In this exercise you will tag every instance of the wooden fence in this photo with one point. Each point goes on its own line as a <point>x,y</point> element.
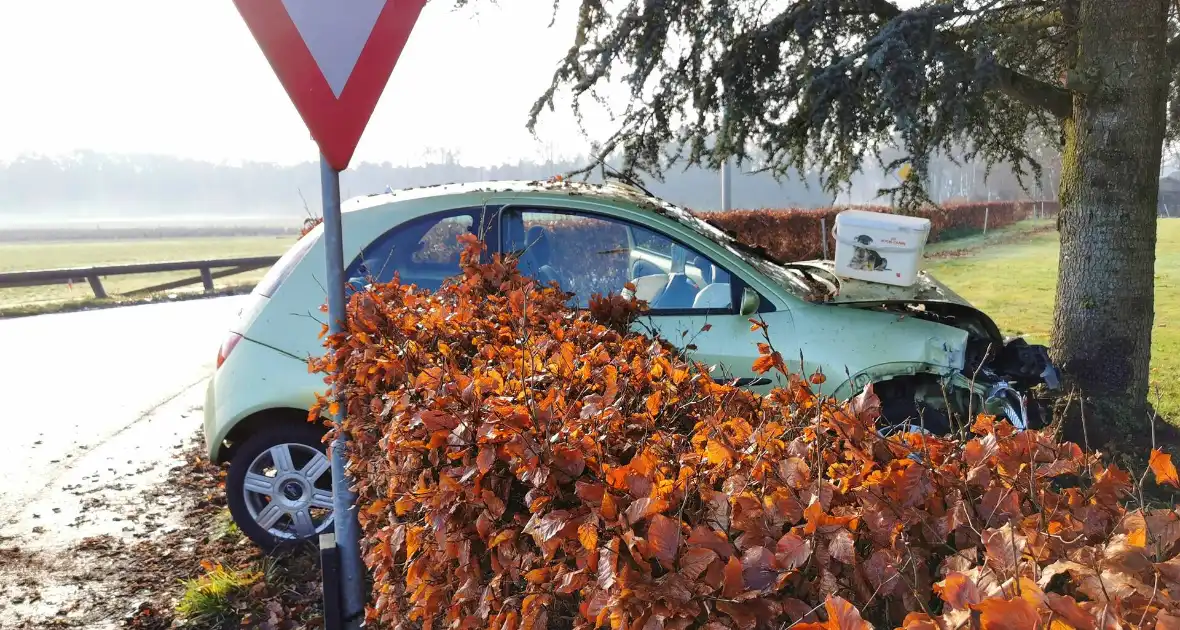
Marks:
<point>93,275</point>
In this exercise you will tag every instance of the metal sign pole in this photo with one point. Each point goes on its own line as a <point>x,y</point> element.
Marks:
<point>352,600</point>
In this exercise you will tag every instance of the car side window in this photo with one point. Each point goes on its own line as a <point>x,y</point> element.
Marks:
<point>440,244</point>
<point>588,254</point>
<point>423,252</point>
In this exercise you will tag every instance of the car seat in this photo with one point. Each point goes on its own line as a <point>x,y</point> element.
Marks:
<point>708,271</point>
<point>716,295</point>
<point>650,288</point>
<point>679,292</point>
<point>538,253</point>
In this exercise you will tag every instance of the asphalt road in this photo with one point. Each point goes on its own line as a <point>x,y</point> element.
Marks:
<point>98,397</point>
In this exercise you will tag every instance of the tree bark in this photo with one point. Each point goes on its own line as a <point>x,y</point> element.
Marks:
<point>1109,188</point>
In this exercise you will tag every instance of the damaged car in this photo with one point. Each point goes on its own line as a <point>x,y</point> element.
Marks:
<point>933,359</point>
<point>962,367</point>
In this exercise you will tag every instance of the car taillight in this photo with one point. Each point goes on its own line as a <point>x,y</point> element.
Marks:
<point>227,347</point>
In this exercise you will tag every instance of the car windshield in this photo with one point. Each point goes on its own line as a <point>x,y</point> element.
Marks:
<point>805,281</point>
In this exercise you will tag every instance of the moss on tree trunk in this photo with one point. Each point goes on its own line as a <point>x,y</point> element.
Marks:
<point>1110,184</point>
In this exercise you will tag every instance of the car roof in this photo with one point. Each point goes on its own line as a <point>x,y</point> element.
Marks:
<point>611,191</point>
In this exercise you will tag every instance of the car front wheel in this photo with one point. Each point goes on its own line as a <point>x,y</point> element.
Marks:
<point>279,486</point>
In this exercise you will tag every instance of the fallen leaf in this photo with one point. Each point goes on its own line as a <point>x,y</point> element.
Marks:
<point>643,508</point>
<point>918,621</point>
<point>1007,614</point>
<point>792,551</point>
<point>841,616</point>
<point>1162,467</point>
<point>663,534</point>
<point>733,585</point>
<point>1166,621</point>
<point>485,459</point>
<point>719,454</point>
<point>842,547</point>
<point>572,581</point>
<point>958,591</point>
<point>694,562</point>
<point>1067,608</point>
<point>588,536</point>
<point>653,404</point>
<point>610,510</point>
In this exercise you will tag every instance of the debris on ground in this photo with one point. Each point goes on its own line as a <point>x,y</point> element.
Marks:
<point>204,567</point>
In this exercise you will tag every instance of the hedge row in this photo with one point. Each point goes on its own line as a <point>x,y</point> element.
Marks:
<point>790,235</point>
<point>785,234</point>
<point>523,466</point>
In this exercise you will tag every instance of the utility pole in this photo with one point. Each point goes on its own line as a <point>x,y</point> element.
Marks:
<point>725,183</point>
<point>725,187</point>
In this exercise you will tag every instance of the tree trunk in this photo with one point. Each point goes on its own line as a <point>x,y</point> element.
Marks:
<point>1109,187</point>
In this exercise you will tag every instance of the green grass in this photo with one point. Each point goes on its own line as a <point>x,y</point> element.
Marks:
<point>208,599</point>
<point>50,255</point>
<point>998,236</point>
<point>224,527</point>
<point>1015,282</point>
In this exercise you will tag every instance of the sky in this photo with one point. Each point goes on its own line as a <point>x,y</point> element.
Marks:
<point>185,78</point>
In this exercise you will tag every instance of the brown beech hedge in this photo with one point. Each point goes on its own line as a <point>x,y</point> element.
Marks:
<point>521,465</point>
<point>786,234</point>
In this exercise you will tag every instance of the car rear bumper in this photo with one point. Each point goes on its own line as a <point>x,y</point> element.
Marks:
<point>254,379</point>
<point>209,426</point>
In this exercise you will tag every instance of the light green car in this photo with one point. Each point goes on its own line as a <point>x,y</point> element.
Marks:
<point>930,355</point>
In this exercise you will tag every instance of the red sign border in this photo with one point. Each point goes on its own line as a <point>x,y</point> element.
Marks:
<point>336,125</point>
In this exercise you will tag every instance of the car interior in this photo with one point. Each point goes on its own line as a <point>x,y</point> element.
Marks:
<point>423,252</point>
<point>679,279</point>
<point>672,282</point>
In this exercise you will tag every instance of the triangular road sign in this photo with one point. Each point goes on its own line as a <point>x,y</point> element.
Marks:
<point>334,58</point>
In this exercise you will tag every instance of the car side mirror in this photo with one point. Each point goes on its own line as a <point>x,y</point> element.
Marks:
<point>750,302</point>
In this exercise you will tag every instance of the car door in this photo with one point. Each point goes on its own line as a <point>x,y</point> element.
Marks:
<point>693,301</point>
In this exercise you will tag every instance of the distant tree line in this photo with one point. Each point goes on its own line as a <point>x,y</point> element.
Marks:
<point>96,188</point>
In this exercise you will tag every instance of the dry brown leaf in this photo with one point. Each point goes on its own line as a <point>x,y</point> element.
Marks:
<point>733,585</point>
<point>997,613</point>
<point>663,534</point>
<point>1163,469</point>
<point>958,591</point>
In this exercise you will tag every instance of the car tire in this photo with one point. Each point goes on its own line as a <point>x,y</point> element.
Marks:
<point>899,413</point>
<point>279,486</point>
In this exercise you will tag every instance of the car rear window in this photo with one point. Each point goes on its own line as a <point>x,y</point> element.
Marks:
<point>283,268</point>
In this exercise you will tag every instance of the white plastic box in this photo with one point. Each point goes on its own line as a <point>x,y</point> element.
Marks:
<point>879,247</point>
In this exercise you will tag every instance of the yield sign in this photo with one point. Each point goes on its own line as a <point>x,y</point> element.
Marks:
<point>334,58</point>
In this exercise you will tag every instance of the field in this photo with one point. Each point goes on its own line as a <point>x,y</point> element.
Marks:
<point>18,256</point>
<point>1015,281</point>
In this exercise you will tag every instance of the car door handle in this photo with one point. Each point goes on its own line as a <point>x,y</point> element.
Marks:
<point>749,382</point>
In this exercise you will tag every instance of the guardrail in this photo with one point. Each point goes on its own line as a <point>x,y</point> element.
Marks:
<point>93,275</point>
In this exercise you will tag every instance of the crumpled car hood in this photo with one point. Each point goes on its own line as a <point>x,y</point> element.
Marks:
<point>926,293</point>
<point>927,289</point>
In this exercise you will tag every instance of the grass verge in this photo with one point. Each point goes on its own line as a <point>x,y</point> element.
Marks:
<point>209,599</point>
<point>23,256</point>
<point>1013,278</point>
<point>90,304</point>
<point>969,242</point>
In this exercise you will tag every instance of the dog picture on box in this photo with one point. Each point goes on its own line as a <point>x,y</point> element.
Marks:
<point>867,259</point>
